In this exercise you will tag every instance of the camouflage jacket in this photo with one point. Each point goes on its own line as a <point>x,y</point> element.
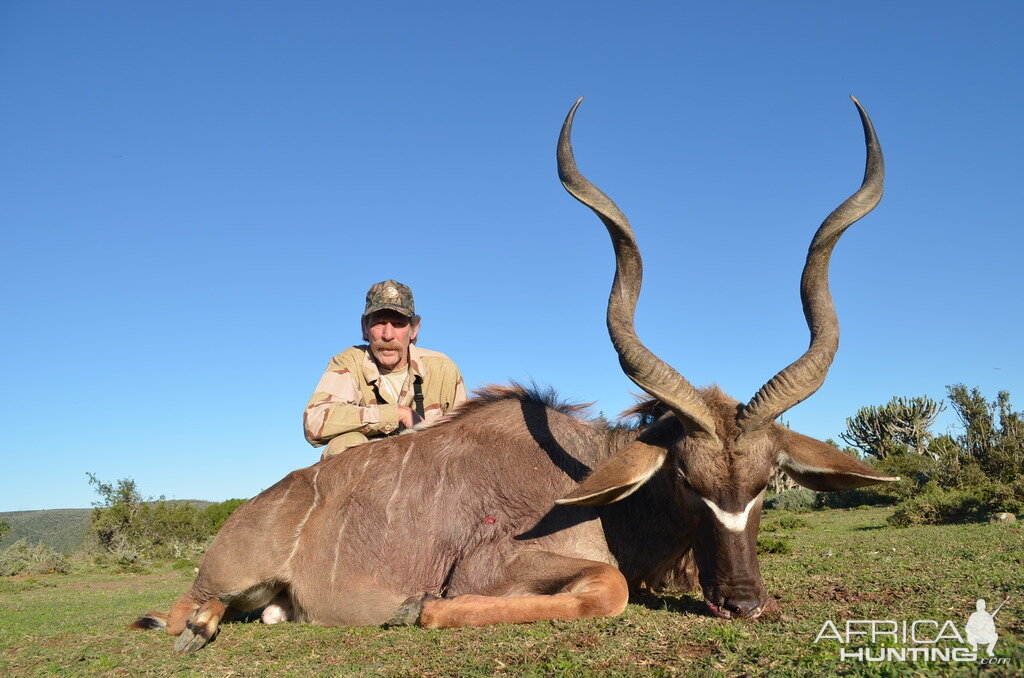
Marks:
<point>346,409</point>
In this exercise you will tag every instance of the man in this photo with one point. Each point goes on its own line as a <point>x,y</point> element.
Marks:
<point>387,386</point>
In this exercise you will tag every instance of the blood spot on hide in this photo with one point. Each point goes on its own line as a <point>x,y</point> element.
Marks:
<point>489,520</point>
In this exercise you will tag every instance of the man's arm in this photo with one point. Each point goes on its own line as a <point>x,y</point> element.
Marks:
<point>460,390</point>
<point>453,389</point>
<point>337,406</point>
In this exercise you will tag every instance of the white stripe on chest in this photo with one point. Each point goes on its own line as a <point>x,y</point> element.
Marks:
<point>734,522</point>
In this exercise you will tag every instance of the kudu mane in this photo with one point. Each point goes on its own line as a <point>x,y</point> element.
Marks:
<point>490,393</point>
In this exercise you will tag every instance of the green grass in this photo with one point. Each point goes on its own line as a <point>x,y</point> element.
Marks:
<point>843,565</point>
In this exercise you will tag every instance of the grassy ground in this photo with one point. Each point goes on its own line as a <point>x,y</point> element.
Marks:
<point>842,565</point>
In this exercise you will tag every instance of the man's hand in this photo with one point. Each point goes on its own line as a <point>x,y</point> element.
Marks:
<point>407,417</point>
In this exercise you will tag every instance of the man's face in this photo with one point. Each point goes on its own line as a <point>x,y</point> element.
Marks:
<point>390,334</point>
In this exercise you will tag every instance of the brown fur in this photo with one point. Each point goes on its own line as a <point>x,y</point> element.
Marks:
<point>465,511</point>
<point>446,510</point>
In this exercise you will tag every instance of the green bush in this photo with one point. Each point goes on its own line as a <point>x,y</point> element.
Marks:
<point>845,499</point>
<point>120,558</point>
<point>128,529</point>
<point>788,523</point>
<point>159,529</point>
<point>216,514</point>
<point>797,499</point>
<point>21,557</point>
<point>938,506</point>
<point>1008,497</point>
<point>768,544</point>
<point>914,471</point>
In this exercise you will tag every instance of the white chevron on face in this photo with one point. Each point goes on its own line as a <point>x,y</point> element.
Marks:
<point>734,522</point>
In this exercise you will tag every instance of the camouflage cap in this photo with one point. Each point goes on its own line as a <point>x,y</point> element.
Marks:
<point>390,294</point>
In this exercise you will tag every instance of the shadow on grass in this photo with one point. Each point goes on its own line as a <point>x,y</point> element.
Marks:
<point>250,617</point>
<point>681,604</point>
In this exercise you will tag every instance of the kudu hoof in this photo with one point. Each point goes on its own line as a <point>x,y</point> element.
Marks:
<point>192,639</point>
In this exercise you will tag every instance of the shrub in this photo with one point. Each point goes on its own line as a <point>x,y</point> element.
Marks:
<point>993,432</point>
<point>22,557</point>
<point>779,545</point>
<point>853,498</point>
<point>937,506</point>
<point>128,528</point>
<point>914,471</point>
<point>216,514</point>
<point>797,499</point>
<point>120,557</point>
<point>161,529</point>
<point>790,522</point>
<point>1008,497</point>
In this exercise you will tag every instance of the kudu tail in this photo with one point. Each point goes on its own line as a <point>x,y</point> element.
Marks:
<point>150,621</point>
<point>193,623</point>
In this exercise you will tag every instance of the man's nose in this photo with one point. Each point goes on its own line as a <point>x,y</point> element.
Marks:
<point>389,332</point>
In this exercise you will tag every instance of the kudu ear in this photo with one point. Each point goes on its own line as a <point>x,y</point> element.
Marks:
<point>821,467</point>
<point>619,476</point>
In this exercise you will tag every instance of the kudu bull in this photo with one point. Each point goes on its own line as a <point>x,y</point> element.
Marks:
<point>482,519</point>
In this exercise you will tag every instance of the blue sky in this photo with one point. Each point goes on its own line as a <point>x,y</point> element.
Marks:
<point>195,196</point>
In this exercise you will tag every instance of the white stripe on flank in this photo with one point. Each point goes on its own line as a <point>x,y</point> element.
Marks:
<point>346,505</point>
<point>302,523</point>
<point>398,487</point>
<point>735,522</point>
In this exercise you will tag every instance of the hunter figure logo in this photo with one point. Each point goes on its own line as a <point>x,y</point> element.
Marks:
<point>878,640</point>
<point>981,627</point>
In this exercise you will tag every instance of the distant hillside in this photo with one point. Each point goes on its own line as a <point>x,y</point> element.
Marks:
<point>62,530</point>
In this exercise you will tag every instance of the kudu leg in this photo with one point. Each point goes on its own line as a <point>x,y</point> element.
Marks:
<point>555,587</point>
<point>201,626</point>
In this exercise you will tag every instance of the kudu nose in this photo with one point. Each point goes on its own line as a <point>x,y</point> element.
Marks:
<point>742,606</point>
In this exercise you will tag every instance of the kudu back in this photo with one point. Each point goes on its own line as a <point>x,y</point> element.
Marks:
<point>516,510</point>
